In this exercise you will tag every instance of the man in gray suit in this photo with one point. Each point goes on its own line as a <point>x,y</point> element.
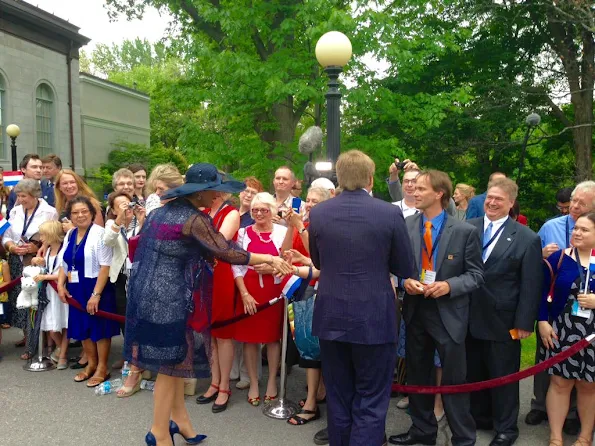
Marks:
<point>509,300</point>
<point>447,269</point>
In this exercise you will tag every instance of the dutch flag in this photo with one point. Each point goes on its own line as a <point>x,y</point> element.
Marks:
<point>12,178</point>
<point>292,284</point>
<point>4,225</point>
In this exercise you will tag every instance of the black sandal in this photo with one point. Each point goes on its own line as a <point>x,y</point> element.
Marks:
<point>302,403</point>
<point>299,421</point>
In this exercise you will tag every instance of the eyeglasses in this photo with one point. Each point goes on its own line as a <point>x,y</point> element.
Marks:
<point>563,208</point>
<point>83,213</point>
<point>409,181</point>
<point>263,211</point>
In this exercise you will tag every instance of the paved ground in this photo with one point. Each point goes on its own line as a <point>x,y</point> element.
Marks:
<point>50,409</point>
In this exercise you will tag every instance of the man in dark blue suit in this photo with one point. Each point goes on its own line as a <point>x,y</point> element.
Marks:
<point>475,207</point>
<point>31,167</point>
<point>357,241</point>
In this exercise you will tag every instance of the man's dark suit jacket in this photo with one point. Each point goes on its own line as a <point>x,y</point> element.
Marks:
<point>511,294</point>
<point>458,262</point>
<point>357,241</point>
<point>47,193</point>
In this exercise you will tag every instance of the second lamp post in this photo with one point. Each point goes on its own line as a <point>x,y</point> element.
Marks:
<point>333,51</point>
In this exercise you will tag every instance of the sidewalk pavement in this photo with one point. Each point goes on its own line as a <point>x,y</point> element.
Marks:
<point>49,408</point>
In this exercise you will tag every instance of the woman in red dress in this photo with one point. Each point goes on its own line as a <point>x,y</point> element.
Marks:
<point>226,220</point>
<point>257,285</point>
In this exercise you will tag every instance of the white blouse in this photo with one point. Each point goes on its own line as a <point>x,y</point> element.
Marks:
<point>96,253</point>
<point>278,235</point>
<point>44,213</point>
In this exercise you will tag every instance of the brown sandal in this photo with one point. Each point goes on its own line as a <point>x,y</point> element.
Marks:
<point>82,376</point>
<point>580,441</point>
<point>94,381</point>
<point>554,442</point>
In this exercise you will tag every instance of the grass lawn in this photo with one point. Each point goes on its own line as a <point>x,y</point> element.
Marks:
<point>528,352</point>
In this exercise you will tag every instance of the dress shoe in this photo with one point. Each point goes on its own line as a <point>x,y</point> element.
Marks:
<point>174,429</point>
<point>407,439</point>
<point>321,437</point>
<point>535,417</point>
<point>502,440</point>
<point>572,426</point>
<point>221,407</point>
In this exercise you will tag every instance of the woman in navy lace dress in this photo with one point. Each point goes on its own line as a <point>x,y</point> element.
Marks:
<point>174,258</point>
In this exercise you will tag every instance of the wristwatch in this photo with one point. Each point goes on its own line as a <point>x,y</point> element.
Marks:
<point>301,231</point>
<point>94,294</point>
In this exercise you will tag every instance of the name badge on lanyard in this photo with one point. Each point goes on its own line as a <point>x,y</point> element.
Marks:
<point>73,276</point>
<point>577,310</point>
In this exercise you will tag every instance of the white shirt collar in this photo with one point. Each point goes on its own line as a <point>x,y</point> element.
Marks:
<point>495,224</point>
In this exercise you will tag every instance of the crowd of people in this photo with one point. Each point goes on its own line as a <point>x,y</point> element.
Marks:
<point>438,287</point>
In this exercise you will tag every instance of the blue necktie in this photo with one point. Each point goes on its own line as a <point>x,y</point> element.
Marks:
<point>487,235</point>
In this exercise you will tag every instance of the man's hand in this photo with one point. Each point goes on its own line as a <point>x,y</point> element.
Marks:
<point>549,250</point>
<point>437,289</point>
<point>410,165</point>
<point>523,334</point>
<point>393,171</point>
<point>413,287</point>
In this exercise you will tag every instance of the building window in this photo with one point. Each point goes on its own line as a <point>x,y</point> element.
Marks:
<point>2,118</point>
<point>45,120</point>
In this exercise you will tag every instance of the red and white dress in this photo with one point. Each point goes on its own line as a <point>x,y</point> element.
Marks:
<point>266,325</point>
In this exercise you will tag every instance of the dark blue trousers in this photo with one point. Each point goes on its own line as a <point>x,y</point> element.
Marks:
<point>358,382</point>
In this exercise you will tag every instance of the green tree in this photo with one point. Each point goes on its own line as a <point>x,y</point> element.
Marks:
<point>252,64</point>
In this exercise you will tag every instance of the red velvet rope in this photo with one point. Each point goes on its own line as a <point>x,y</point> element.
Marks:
<point>498,382</point>
<point>461,388</point>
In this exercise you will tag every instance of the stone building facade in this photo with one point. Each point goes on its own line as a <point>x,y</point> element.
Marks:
<point>42,91</point>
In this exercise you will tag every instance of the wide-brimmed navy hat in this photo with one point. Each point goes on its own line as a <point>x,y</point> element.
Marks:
<point>204,176</point>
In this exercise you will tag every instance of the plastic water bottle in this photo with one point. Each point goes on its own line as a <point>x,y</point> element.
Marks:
<point>147,385</point>
<point>125,371</point>
<point>108,387</point>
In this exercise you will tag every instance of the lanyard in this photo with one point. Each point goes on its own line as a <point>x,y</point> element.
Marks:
<point>568,233</point>
<point>76,247</point>
<point>581,273</point>
<point>435,244</point>
<point>496,234</point>
<point>47,260</point>
<point>28,222</point>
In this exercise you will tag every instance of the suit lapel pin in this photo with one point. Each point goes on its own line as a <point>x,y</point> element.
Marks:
<point>450,257</point>
<point>509,239</point>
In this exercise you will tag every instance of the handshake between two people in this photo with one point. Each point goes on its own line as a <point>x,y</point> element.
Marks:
<point>283,266</point>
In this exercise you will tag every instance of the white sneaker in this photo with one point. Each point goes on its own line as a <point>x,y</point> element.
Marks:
<point>242,385</point>
<point>404,403</point>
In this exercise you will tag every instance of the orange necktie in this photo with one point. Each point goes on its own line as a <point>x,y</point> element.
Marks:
<point>426,258</point>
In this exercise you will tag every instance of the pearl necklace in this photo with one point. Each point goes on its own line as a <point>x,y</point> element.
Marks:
<point>259,236</point>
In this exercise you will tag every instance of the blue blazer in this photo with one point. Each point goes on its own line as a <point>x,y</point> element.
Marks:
<point>475,208</point>
<point>47,193</point>
<point>357,241</point>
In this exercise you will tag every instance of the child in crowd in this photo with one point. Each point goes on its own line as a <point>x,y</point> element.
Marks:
<point>55,315</point>
<point>4,305</point>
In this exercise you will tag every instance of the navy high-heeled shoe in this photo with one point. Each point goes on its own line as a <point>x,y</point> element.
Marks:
<point>175,429</point>
<point>150,439</point>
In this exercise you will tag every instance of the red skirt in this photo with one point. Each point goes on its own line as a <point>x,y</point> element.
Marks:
<point>224,300</point>
<point>267,325</point>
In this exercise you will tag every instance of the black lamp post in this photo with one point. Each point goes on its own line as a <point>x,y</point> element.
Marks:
<point>333,51</point>
<point>532,121</point>
<point>13,131</point>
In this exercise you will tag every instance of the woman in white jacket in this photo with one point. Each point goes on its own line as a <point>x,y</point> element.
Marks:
<point>119,228</point>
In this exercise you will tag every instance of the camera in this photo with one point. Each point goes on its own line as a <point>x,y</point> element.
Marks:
<point>132,204</point>
<point>400,165</point>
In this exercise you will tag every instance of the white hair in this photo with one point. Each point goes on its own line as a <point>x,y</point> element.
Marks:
<point>267,199</point>
<point>585,186</point>
<point>323,183</point>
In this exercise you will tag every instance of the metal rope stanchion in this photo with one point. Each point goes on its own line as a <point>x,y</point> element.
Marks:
<point>41,364</point>
<point>281,408</point>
